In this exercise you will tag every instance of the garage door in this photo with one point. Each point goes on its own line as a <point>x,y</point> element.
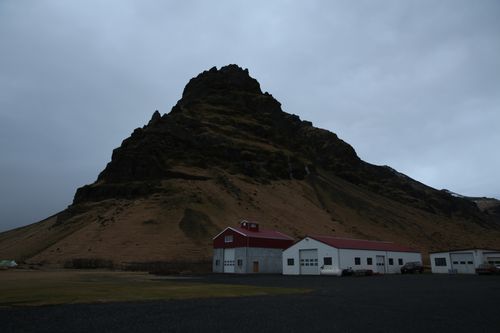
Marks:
<point>463,263</point>
<point>228,260</point>
<point>493,260</point>
<point>309,262</point>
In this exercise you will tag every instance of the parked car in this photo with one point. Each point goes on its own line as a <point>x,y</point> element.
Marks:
<point>412,267</point>
<point>487,269</point>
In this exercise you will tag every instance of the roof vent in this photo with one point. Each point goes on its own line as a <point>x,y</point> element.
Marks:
<point>249,225</point>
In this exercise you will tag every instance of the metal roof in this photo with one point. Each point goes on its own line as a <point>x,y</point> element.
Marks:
<point>362,244</point>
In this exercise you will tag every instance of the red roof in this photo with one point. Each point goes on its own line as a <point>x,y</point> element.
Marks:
<point>362,244</point>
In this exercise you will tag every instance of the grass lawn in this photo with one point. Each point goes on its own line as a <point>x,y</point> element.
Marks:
<point>31,288</point>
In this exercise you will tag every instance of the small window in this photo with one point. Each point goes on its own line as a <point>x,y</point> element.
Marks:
<point>462,263</point>
<point>400,261</point>
<point>327,261</point>
<point>440,261</point>
<point>455,263</point>
<point>217,262</point>
<point>228,239</point>
<point>391,261</point>
<point>240,262</point>
<point>357,261</point>
<point>290,262</point>
<point>369,261</point>
<point>469,262</point>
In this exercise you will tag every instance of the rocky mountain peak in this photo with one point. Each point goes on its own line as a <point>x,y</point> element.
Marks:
<point>225,124</point>
<point>230,78</point>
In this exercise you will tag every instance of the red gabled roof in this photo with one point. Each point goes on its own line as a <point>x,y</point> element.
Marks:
<point>362,244</point>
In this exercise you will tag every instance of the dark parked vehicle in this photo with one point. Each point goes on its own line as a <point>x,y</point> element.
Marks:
<point>412,267</point>
<point>347,272</point>
<point>487,269</point>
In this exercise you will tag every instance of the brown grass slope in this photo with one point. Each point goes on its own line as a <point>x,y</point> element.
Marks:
<point>227,152</point>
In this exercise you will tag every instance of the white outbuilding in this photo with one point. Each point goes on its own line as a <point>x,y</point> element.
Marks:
<point>315,255</point>
<point>462,261</point>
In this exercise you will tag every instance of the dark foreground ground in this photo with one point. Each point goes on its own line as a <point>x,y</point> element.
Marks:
<point>399,303</point>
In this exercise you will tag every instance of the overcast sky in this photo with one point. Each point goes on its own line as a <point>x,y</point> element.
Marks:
<point>410,84</point>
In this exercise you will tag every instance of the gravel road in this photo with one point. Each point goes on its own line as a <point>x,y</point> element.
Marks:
<point>398,303</point>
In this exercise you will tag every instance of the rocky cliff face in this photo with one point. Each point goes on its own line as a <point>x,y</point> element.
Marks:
<point>227,151</point>
<point>225,122</point>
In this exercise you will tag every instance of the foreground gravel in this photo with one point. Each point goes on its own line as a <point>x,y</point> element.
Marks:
<point>400,303</point>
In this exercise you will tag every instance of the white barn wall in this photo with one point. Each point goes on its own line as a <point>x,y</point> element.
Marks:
<point>270,260</point>
<point>480,256</point>
<point>440,269</point>
<point>347,259</point>
<point>343,258</point>
<point>406,256</point>
<point>308,244</point>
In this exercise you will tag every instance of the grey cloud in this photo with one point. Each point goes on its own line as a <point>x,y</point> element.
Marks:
<point>410,84</point>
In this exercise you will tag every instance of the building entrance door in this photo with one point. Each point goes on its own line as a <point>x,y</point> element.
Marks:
<point>228,260</point>
<point>380,261</point>
<point>255,266</point>
<point>463,263</point>
<point>309,262</point>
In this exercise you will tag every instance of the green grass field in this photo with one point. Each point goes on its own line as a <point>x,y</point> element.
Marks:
<point>33,288</point>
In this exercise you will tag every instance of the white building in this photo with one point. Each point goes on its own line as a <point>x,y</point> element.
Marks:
<point>316,255</point>
<point>462,261</point>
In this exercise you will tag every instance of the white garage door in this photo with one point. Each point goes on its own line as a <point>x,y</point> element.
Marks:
<point>309,262</point>
<point>493,260</point>
<point>463,263</point>
<point>228,260</point>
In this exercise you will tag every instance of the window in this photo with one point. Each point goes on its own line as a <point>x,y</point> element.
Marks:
<point>228,239</point>
<point>357,261</point>
<point>391,261</point>
<point>469,262</point>
<point>440,261</point>
<point>455,263</point>
<point>400,261</point>
<point>462,263</point>
<point>240,262</point>
<point>327,261</point>
<point>310,262</point>
<point>290,262</point>
<point>217,262</point>
<point>369,261</point>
